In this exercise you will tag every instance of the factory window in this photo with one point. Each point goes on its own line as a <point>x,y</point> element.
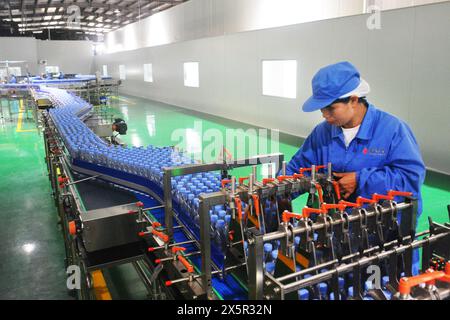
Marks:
<point>51,69</point>
<point>122,72</point>
<point>148,72</point>
<point>105,70</point>
<point>191,77</point>
<point>280,78</point>
<point>15,71</point>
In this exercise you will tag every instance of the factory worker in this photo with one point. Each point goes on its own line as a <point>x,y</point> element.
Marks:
<point>371,151</point>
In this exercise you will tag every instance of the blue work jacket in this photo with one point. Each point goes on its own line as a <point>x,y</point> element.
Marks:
<point>384,154</point>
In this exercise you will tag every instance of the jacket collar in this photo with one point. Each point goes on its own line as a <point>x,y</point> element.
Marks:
<point>365,131</point>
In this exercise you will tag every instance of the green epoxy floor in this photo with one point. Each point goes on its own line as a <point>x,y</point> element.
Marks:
<point>32,251</point>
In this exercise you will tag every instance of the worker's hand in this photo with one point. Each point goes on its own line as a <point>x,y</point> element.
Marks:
<point>347,183</point>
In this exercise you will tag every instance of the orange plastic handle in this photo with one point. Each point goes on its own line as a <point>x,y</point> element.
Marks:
<point>238,203</point>
<point>176,249</point>
<point>188,266</point>
<point>340,206</point>
<point>377,197</point>
<point>242,179</point>
<point>393,193</point>
<point>309,169</point>
<point>320,192</point>
<point>72,228</point>
<point>162,236</point>
<point>256,203</point>
<point>266,180</point>
<point>360,201</point>
<point>156,224</point>
<point>337,190</point>
<point>224,182</point>
<point>349,204</point>
<point>287,215</point>
<point>405,284</point>
<point>307,211</point>
<point>282,178</point>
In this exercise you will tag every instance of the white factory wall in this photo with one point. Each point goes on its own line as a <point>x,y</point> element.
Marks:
<point>19,49</point>
<point>405,62</point>
<point>197,19</point>
<point>70,56</point>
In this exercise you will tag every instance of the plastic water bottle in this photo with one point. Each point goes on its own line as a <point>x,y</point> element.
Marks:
<point>267,252</point>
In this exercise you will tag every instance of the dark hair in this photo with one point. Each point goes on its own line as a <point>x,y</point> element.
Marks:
<point>347,99</point>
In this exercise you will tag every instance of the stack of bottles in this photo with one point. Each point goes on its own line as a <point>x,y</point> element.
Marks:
<point>82,144</point>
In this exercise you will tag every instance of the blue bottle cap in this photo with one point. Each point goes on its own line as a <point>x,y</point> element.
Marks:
<point>227,218</point>
<point>341,282</point>
<point>270,267</point>
<point>303,294</point>
<point>297,240</point>
<point>222,214</point>
<point>274,254</point>
<point>323,288</point>
<point>385,280</point>
<point>350,291</point>
<point>245,245</point>
<point>267,247</point>
<point>214,219</point>
<point>220,224</point>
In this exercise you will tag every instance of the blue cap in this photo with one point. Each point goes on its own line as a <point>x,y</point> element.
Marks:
<point>267,247</point>
<point>385,280</point>
<point>330,83</point>
<point>220,224</point>
<point>270,267</point>
<point>303,294</point>
<point>274,254</point>
<point>222,213</point>
<point>214,219</point>
<point>323,288</point>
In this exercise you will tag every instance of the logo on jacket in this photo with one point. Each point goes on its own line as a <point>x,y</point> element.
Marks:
<point>374,151</point>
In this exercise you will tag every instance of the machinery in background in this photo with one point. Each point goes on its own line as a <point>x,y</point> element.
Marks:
<point>193,231</point>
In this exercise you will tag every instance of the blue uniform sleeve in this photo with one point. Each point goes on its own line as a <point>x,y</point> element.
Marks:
<point>403,170</point>
<point>304,157</point>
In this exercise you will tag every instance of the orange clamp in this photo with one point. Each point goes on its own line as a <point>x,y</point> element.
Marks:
<point>340,206</point>
<point>377,197</point>
<point>162,236</point>
<point>310,169</point>
<point>337,190</point>
<point>406,283</point>
<point>320,192</point>
<point>267,180</point>
<point>177,249</point>
<point>393,193</point>
<point>349,204</point>
<point>306,211</point>
<point>242,179</point>
<point>72,228</point>
<point>238,203</point>
<point>287,215</point>
<point>256,203</point>
<point>224,182</point>
<point>139,204</point>
<point>188,266</point>
<point>360,201</point>
<point>282,178</point>
<point>156,224</point>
